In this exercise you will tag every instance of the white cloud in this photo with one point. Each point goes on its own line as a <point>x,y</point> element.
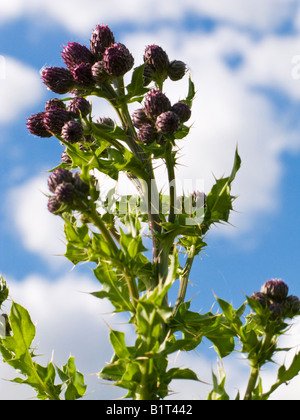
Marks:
<point>19,90</point>
<point>40,231</point>
<point>79,17</point>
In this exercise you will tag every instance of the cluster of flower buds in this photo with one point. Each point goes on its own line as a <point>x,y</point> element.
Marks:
<point>158,67</point>
<point>274,296</point>
<point>89,67</point>
<point>59,120</point>
<point>158,117</point>
<point>69,191</point>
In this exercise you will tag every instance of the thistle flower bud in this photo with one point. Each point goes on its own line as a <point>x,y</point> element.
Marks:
<point>275,289</point>
<point>167,123</point>
<point>148,74</point>
<point>276,310</point>
<point>182,110</point>
<point>261,298</point>
<point>53,205</point>
<point>59,176</point>
<point>176,70</point>
<point>72,132</point>
<point>157,58</point>
<point>74,54</point>
<point>147,134</point>
<point>139,118</point>
<point>35,124</point>
<point>106,123</point>
<point>83,75</point>
<point>55,119</point>
<point>117,60</point>
<point>81,186</point>
<point>58,79</point>
<point>54,103</point>
<point>65,193</point>
<point>102,37</point>
<point>98,72</point>
<point>156,103</point>
<point>65,158</point>
<point>291,306</point>
<point>79,106</point>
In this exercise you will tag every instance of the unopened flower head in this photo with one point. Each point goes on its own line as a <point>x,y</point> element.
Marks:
<point>58,79</point>
<point>147,134</point>
<point>117,60</point>
<point>102,37</point>
<point>182,110</point>
<point>72,132</point>
<point>157,58</point>
<point>99,73</point>
<point>55,119</point>
<point>59,176</point>
<point>79,106</point>
<point>83,75</point>
<point>36,126</point>
<point>275,289</point>
<point>167,123</point>
<point>139,118</point>
<point>74,54</point>
<point>54,103</point>
<point>176,70</point>
<point>156,103</point>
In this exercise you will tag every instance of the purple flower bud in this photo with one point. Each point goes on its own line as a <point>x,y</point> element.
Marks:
<point>65,193</point>
<point>276,310</point>
<point>74,54</point>
<point>54,103</point>
<point>59,176</point>
<point>79,105</point>
<point>275,289</point>
<point>176,70</point>
<point>156,103</point>
<point>117,60</point>
<point>35,124</point>
<point>65,158</point>
<point>157,58</point>
<point>102,37</point>
<point>182,110</point>
<point>261,298</point>
<point>147,134</point>
<point>58,79</point>
<point>139,118</point>
<point>55,119</point>
<point>53,205</point>
<point>72,132</point>
<point>148,74</point>
<point>106,123</point>
<point>83,75</point>
<point>81,187</point>
<point>291,306</point>
<point>98,72</point>
<point>167,123</point>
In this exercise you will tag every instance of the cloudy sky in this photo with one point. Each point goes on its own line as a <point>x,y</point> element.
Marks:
<point>244,58</point>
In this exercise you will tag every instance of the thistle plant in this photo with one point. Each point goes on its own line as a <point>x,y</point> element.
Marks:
<point>110,232</point>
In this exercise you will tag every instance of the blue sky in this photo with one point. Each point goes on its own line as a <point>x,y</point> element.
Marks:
<point>247,94</point>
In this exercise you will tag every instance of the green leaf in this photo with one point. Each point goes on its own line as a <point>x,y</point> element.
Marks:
<point>136,88</point>
<point>177,373</point>
<point>73,379</point>
<point>218,392</point>
<point>117,340</point>
<point>114,287</point>
<point>285,375</point>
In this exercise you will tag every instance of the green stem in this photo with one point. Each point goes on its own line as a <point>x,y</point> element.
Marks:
<point>170,164</point>
<point>252,382</point>
<point>184,278</point>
